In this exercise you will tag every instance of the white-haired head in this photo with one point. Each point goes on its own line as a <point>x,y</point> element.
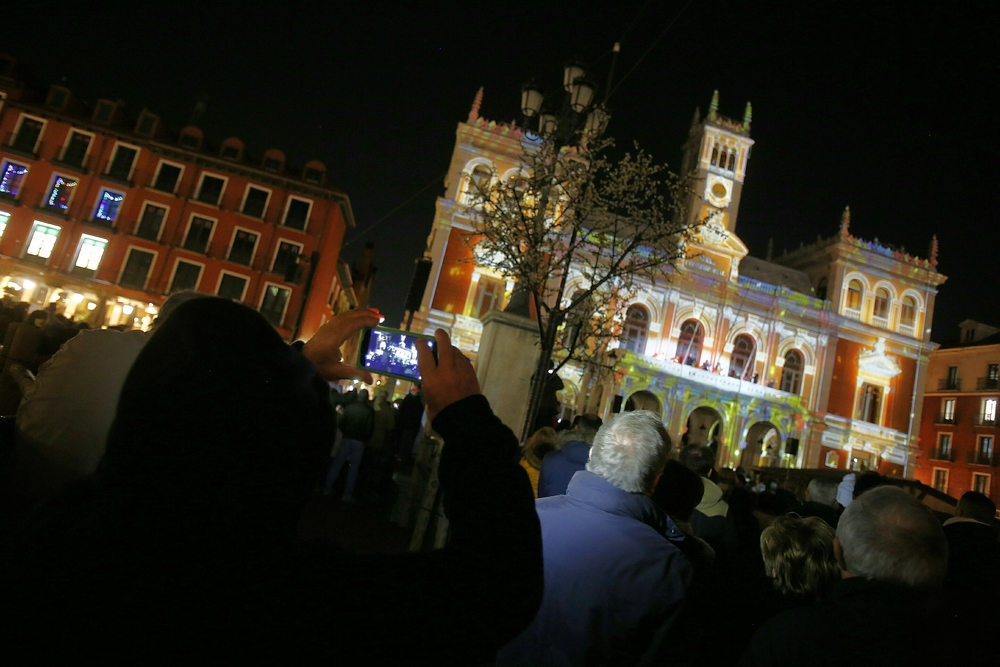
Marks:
<point>630,451</point>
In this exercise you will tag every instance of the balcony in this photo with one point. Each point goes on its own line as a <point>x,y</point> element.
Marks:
<point>943,418</point>
<point>939,454</point>
<point>987,383</point>
<point>985,420</point>
<point>23,144</point>
<point>949,384</point>
<point>73,159</point>
<point>908,330</point>
<point>880,321</point>
<point>982,459</point>
<point>853,313</point>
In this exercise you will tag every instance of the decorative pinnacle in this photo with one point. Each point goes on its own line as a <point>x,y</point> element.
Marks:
<point>845,222</point>
<point>714,106</point>
<point>747,117</point>
<point>934,250</point>
<point>697,116</point>
<point>476,104</point>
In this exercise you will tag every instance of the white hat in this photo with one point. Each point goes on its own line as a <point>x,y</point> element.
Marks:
<point>845,490</point>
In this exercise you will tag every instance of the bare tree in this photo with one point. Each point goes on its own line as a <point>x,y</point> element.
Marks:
<point>578,230</point>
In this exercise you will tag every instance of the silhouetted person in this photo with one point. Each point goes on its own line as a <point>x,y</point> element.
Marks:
<point>821,494</point>
<point>570,457</point>
<point>867,481</point>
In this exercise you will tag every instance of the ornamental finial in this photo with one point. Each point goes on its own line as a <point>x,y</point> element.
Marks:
<point>845,222</point>
<point>476,104</point>
<point>713,108</point>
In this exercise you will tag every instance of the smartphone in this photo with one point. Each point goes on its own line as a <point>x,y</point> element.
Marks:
<point>391,352</point>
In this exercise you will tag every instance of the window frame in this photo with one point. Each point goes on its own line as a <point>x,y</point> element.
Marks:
<point>883,296</point>
<point>946,413</point>
<point>31,234</point>
<point>159,168</point>
<point>142,214</point>
<point>4,222</point>
<point>796,375</point>
<point>75,268</point>
<point>288,206</point>
<point>201,183</point>
<point>27,170</point>
<point>17,131</point>
<point>861,295</point>
<point>128,255</point>
<point>47,194</point>
<point>478,293</point>
<point>934,473</point>
<point>277,247</point>
<point>186,260</point>
<point>97,205</point>
<point>246,195</point>
<point>225,272</point>
<point>211,234</point>
<point>114,153</point>
<point>288,301</point>
<point>982,475</point>
<point>988,415</point>
<point>232,242</point>
<point>882,389</point>
<point>951,440</point>
<point>66,143</point>
<point>632,332</point>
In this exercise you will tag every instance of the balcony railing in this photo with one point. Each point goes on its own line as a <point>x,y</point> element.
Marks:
<point>880,321</point>
<point>942,454</point>
<point>853,313</point>
<point>22,144</point>
<point>985,420</point>
<point>943,418</point>
<point>908,330</point>
<point>73,159</point>
<point>982,459</point>
<point>987,383</point>
<point>950,385</point>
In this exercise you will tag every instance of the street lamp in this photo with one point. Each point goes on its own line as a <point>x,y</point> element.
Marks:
<point>567,116</point>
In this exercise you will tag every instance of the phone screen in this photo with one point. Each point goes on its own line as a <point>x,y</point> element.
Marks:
<point>391,352</point>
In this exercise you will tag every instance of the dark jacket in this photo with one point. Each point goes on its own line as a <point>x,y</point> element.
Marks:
<point>615,582</point>
<point>819,510</point>
<point>973,554</point>
<point>183,546</point>
<point>411,411</point>
<point>357,421</point>
<point>900,626</point>
<point>558,468</point>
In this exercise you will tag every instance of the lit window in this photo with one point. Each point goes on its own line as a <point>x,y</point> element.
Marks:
<point>636,328</point>
<point>91,251</point>
<point>273,305</point>
<point>881,303</point>
<point>108,205</point>
<point>948,410</point>
<point>4,218</point>
<point>855,292</point>
<point>869,404</point>
<point>908,312</point>
<point>11,176</point>
<point>487,296</point>
<point>989,410</point>
<point>43,238</point>
<point>60,194</point>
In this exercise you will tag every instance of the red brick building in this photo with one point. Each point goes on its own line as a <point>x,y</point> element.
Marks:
<point>958,430</point>
<point>103,214</point>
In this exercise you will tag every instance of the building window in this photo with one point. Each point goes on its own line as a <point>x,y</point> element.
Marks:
<point>487,296</point>
<point>151,222</point>
<point>76,149</point>
<point>146,124</point>
<point>477,183</point>
<point>211,189</point>
<point>981,483</point>
<point>985,449</point>
<point>635,330</point>
<point>882,300</point>
<point>311,175</point>
<point>944,447</point>
<point>941,479</point>
<point>186,276</point>
<point>26,139</point>
<point>297,215</point>
<point>89,254</point>
<point>199,234</point>
<point>136,269</point>
<point>855,294</point>
<point>167,177</point>
<point>243,246</point>
<point>61,193</point>
<point>230,152</point>
<point>104,111</point>
<point>286,260</point>
<point>121,163</point>
<point>689,343</point>
<point>822,288</point>
<point>4,219</point>
<point>992,379</point>
<point>108,205</point>
<point>255,203</point>
<point>272,164</point>
<point>948,410</point>
<point>908,312</point>
<point>43,238</point>
<point>11,177</point>
<point>232,287</point>
<point>741,362</point>
<point>273,305</point>
<point>989,413</point>
<point>57,99</point>
<point>791,372</point>
<point>869,404</point>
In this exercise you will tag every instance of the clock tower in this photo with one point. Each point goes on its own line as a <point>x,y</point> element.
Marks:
<point>715,157</point>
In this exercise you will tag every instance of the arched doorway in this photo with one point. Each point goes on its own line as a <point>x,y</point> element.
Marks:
<point>689,342</point>
<point>644,400</point>
<point>704,427</point>
<point>763,447</point>
<point>744,357</point>
<point>636,327</point>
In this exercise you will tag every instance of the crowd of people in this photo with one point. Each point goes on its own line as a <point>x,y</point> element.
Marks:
<point>168,526</point>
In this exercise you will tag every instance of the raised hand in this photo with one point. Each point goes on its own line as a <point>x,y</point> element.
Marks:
<point>323,349</point>
<point>448,380</point>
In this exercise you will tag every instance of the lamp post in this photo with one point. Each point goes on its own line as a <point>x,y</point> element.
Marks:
<point>567,116</point>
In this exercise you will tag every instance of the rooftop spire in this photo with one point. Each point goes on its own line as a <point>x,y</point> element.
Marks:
<point>697,116</point>
<point>476,104</point>
<point>934,250</point>
<point>714,106</point>
<point>845,222</point>
<point>747,117</point>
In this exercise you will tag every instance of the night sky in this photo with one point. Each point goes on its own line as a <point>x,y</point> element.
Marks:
<point>885,110</point>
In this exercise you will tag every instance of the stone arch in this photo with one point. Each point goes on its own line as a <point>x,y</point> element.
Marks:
<point>705,425</point>
<point>761,436</point>
<point>514,171</point>
<point>467,171</point>
<point>644,400</point>
<point>800,344</point>
<point>686,313</point>
<point>889,287</point>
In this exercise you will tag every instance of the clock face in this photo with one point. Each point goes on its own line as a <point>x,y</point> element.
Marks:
<point>718,190</point>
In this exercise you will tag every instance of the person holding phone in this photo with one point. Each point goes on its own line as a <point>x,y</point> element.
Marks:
<point>183,544</point>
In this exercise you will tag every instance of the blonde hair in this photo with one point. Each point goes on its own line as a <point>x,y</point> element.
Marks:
<point>538,445</point>
<point>799,553</point>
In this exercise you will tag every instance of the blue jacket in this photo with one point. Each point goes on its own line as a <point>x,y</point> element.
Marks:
<point>558,468</point>
<point>615,581</point>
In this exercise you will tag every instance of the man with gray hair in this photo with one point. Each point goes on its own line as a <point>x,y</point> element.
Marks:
<point>615,581</point>
<point>821,494</point>
<point>893,558</point>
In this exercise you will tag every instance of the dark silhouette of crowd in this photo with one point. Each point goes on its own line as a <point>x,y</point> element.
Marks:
<point>176,537</point>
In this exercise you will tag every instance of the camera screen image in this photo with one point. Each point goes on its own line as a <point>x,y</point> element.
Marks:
<point>392,353</point>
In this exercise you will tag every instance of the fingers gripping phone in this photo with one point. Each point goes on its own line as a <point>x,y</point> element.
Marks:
<point>391,352</point>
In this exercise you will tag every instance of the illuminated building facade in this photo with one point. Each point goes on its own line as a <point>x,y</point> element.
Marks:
<point>103,214</point>
<point>958,430</point>
<point>814,359</point>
